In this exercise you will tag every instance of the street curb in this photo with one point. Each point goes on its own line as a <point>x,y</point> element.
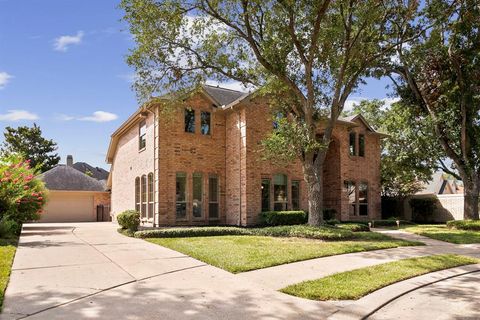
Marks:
<point>370,304</point>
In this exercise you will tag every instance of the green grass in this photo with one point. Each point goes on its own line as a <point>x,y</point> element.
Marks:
<point>442,233</point>
<point>244,253</point>
<point>352,285</point>
<point>7,252</point>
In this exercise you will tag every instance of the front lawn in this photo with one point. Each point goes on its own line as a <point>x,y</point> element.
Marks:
<point>352,285</point>
<point>7,252</point>
<point>240,253</point>
<point>442,233</point>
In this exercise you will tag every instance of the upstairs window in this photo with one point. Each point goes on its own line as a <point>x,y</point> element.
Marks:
<point>353,144</point>
<point>142,133</point>
<point>361,145</point>
<point>189,120</point>
<point>205,122</point>
<point>276,119</point>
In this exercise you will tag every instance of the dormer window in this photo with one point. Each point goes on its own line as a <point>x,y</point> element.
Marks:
<point>189,120</point>
<point>142,133</point>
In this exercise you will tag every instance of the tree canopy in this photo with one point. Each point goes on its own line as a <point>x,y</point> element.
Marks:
<point>306,56</point>
<point>30,144</point>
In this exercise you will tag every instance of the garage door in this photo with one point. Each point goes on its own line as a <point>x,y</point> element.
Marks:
<point>68,207</point>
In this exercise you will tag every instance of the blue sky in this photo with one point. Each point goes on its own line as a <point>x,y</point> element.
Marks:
<point>62,65</point>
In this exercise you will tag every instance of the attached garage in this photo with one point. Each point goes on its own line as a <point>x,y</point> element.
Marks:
<point>73,196</point>
<point>69,207</point>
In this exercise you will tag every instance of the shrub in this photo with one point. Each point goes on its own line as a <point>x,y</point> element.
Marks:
<point>390,223</point>
<point>332,222</point>
<point>9,228</point>
<point>192,232</point>
<point>301,231</point>
<point>329,214</point>
<point>279,218</point>
<point>22,196</point>
<point>129,220</point>
<point>305,231</point>
<point>354,227</point>
<point>423,209</point>
<point>473,225</point>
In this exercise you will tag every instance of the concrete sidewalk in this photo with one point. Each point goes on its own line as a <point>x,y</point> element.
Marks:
<point>89,271</point>
<point>279,277</point>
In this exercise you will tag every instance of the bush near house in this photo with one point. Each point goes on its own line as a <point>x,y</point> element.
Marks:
<point>473,225</point>
<point>22,196</point>
<point>354,227</point>
<point>129,220</point>
<point>279,218</point>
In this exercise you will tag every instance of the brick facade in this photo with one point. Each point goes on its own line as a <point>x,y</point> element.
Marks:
<point>232,153</point>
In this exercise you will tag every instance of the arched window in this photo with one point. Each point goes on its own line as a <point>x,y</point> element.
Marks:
<point>137,194</point>
<point>150,196</point>
<point>144,197</point>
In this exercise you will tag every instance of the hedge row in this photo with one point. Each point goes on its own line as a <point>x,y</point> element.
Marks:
<point>473,225</point>
<point>281,218</point>
<point>301,231</point>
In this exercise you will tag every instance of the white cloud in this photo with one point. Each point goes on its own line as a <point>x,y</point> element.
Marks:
<point>18,115</point>
<point>4,79</point>
<point>64,117</point>
<point>129,77</point>
<point>62,43</point>
<point>100,116</point>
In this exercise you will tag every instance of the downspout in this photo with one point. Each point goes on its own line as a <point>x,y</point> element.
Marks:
<point>240,167</point>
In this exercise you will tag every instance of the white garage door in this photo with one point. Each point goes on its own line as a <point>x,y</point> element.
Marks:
<point>68,207</point>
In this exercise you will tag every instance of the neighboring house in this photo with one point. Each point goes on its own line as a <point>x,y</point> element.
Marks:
<point>74,196</point>
<point>205,165</point>
<point>94,172</point>
<point>442,183</point>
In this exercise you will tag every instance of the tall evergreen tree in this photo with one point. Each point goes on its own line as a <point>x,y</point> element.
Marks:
<point>29,142</point>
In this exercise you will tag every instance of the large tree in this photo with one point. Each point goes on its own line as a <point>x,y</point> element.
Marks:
<point>30,144</point>
<point>440,74</point>
<point>307,56</point>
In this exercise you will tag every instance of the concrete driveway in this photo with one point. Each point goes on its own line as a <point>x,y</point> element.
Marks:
<point>89,271</point>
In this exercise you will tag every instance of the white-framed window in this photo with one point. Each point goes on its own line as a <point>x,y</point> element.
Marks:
<point>189,120</point>
<point>137,194</point>
<point>205,118</point>
<point>150,197</point>
<point>142,135</point>
<point>143,188</point>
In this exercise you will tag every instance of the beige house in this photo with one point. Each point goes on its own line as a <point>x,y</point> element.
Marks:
<point>74,196</point>
<point>205,165</point>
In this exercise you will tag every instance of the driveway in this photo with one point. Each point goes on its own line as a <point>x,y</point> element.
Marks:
<point>89,271</point>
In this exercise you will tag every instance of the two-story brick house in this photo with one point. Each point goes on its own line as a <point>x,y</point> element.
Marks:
<point>204,166</point>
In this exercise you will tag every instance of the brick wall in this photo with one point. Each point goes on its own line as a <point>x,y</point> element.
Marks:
<point>233,152</point>
<point>190,153</point>
<point>130,163</point>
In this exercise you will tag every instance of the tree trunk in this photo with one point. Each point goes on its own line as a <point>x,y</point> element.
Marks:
<point>313,173</point>
<point>470,204</point>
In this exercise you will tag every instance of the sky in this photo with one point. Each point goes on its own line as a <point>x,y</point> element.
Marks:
<point>62,66</point>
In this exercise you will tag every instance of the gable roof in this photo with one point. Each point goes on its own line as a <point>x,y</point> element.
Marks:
<point>96,172</point>
<point>222,96</point>
<point>67,178</point>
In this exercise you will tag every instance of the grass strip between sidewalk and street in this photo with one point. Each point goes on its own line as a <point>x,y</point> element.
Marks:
<point>355,284</point>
